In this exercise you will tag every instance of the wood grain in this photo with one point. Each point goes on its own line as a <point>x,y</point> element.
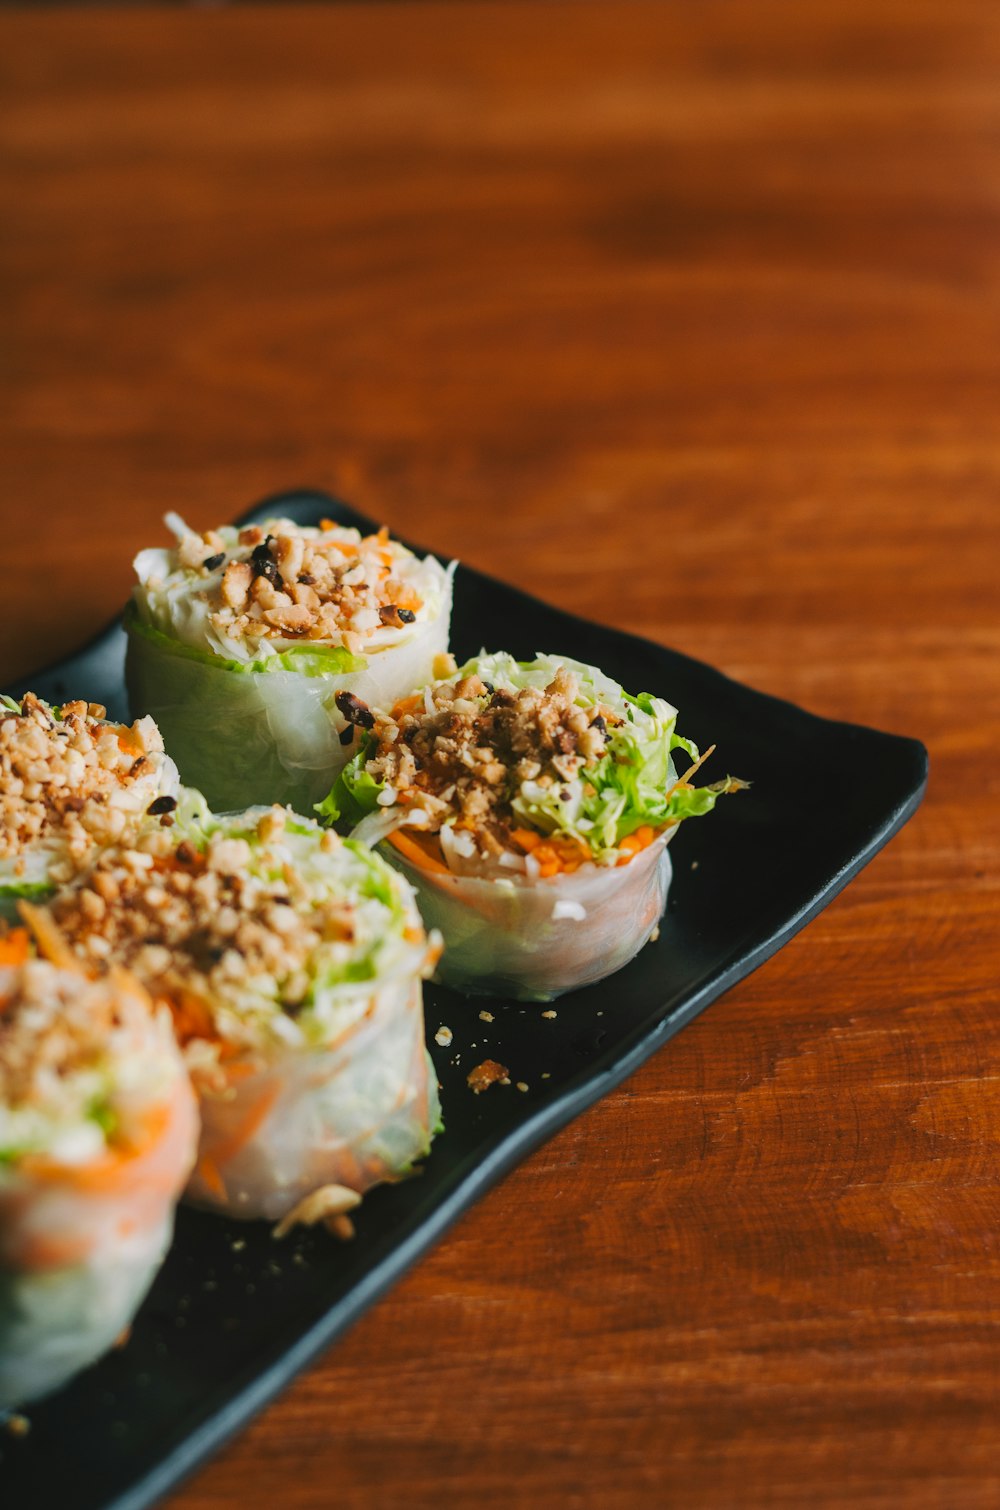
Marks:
<point>508,276</point>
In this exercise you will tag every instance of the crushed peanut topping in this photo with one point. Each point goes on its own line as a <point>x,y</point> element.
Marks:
<point>282,581</point>
<point>242,928</point>
<point>466,747</point>
<point>70,775</point>
<point>56,1028</point>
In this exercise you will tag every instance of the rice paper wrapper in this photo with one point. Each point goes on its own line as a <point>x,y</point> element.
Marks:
<point>55,1323</point>
<point>356,1112</point>
<point>535,940</point>
<point>248,737</point>
<point>78,1254</point>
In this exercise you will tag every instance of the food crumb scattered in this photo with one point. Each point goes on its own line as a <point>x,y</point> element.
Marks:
<point>522,1085</point>
<point>443,1037</point>
<point>327,1205</point>
<point>486,1016</point>
<point>17,1425</point>
<point>546,1075</point>
<point>238,1244</point>
<point>486,1074</point>
<point>694,864</point>
<point>549,1014</point>
<point>655,934</point>
<point>341,1227</point>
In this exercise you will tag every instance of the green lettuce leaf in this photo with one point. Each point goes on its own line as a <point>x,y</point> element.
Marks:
<point>306,659</point>
<point>27,891</point>
<point>354,794</point>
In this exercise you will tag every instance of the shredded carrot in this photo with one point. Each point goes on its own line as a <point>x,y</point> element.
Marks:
<point>209,1172</point>
<point>685,780</point>
<point>14,949</point>
<point>192,1017</point>
<point>41,1250</point>
<point>107,1170</point>
<point>256,1116</point>
<point>556,854</point>
<point>635,843</point>
<point>419,850</point>
<point>48,940</point>
<point>408,704</point>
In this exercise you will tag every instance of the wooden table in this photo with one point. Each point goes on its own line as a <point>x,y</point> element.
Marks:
<point>505,276</point>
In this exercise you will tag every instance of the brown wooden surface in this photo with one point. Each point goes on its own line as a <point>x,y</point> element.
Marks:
<point>505,277</point>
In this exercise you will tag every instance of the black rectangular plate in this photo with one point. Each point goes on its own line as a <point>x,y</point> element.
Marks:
<point>233,1315</point>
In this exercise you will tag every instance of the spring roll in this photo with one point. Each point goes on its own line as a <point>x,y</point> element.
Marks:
<point>254,649</point>
<point>98,1130</point>
<point>71,781</point>
<point>530,804</point>
<point>293,964</point>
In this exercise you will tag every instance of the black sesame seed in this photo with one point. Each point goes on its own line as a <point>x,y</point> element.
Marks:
<point>354,710</point>
<point>407,615</point>
<point>262,564</point>
<point>488,685</point>
<point>307,579</point>
<point>161,805</point>
<point>212,563</point>
<point>564,795</point>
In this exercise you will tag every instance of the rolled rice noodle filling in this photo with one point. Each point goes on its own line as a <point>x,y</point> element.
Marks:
<point>528,770</point>
<point>261,931</point>
<point>258,592</point>
<point>80,1061</point>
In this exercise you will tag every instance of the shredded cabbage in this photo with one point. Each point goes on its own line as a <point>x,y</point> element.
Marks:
<point>634,784</point>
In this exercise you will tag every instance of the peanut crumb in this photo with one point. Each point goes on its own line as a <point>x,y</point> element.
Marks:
<point>327,1205</point>
<point>486,1074</point>
<point>522,1085</point>
<point>443,1037</point>
<point>486,1016</point>
<point>550,1014</point>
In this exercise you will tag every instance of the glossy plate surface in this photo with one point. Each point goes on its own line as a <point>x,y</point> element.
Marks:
<point>234,1315</point>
